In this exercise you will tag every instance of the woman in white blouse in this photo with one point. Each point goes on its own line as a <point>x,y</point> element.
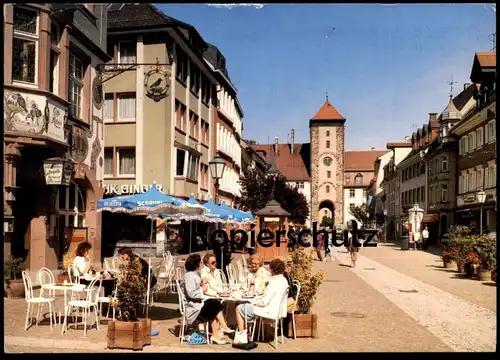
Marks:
<point>260,276</point>
<point>82,259</point>
<point>210,275</point>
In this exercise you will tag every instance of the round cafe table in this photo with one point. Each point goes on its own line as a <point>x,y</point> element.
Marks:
<point>64,288</point>
<point>236,299</point>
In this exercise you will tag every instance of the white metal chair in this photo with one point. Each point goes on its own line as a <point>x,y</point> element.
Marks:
<point>73,274</point>
<point>90,303</point>
<point>164,278</point>
<point>182,309</point>
<point>108,300</point>
<point>116,262</point>
<point>32,300</point>
<point>240,272</point>
<point>296,284</point>
<point>277,317</point>
<point>46,279</point>
<point>231,275</point>
<point>107,267</point>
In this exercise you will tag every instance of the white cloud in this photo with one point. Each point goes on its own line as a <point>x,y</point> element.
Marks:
<point>231,6</point>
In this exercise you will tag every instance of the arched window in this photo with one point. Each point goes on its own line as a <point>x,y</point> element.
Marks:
<point>358,179</point>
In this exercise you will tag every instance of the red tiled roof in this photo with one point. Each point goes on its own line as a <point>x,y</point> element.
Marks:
<point>295,167</point>
<point>487,59</point>
<point>327,112</point>
<point>361,160</point>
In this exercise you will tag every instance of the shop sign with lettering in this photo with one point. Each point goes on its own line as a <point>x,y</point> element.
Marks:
<point>128,189</point>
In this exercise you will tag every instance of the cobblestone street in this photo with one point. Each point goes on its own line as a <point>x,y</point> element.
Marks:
<point>357,311</point>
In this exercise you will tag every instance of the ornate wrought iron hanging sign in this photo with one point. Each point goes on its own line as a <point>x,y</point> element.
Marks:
<point>157,82</point>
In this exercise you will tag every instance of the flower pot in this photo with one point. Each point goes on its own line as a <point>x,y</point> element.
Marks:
<point>460,267</point>
<point>126,334</point>
<point>306,325</point>
<point>484,275</point>
<point>15,289</point>
<point>450,264</point>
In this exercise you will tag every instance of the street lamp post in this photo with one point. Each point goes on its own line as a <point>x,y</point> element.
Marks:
<point>481,198</point>
<point>385,225</point>
<point>217,166</point>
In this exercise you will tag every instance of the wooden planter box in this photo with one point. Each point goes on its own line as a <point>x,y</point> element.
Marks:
<point>147,330</point>
<point>127,335</point>
<point>306,325</point>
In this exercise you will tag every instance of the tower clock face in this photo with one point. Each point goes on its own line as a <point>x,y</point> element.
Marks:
<point>327,161</point>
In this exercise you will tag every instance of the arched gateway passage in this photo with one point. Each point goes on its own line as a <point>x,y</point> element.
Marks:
<point>327,209</point>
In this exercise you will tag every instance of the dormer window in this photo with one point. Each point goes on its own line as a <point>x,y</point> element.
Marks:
<point>358,179</point>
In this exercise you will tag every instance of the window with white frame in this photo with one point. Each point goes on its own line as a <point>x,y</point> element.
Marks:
<point>126,107</point>
<point>358,179</point>
<point>75,88</point>
<point>444,193</point>
<point>490,178</point>
<point>109,107</point>
<point>300,184</point>
<point>480,178</point>
<point>480,137</point>
<point>352,207</point>
<point>444,163</point>
<point>352,193</point>
<point>472,142</point>
<point>180,161</point>
<point>491,131</point>
<point>71,204</point>
<point>127,52</point>
<point>471,181</point>
<point>466,145</point>
<point>466,183</point>
<point>24,45</point>
<point>54,59</point>
<point>192,170</point>
<point>126,161</point>
<point>108,162</point>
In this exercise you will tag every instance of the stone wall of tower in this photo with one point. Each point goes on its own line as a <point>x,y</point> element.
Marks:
<point>339,176</point>
<point>319,179</point>
<point>314,135</point>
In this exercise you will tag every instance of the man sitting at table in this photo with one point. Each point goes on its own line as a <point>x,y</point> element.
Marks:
<point>259,276</point>
<point>269,302</point>
<point>126,254</point>
<point>210,275</point>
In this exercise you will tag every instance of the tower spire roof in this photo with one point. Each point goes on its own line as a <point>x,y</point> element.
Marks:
<point>328,112</point>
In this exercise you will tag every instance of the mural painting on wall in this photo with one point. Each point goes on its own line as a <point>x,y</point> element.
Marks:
<point>23,114</point>
<point>79,144</point>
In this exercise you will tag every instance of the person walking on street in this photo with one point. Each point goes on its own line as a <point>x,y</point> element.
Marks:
<point>329,248</point>
<point>319,245</point>
<point>425,237</point>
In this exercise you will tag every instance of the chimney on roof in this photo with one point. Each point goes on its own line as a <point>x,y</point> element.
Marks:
<point>276,144</point>
<point>433,116</point>
<point>466,85</point>
<point>292,140</point>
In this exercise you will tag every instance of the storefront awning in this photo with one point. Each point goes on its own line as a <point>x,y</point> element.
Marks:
<point>430,218</point>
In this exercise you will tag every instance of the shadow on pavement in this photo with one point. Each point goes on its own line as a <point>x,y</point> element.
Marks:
<point>161,313</point>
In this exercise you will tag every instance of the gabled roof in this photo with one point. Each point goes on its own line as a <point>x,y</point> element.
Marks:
<point>328,112</point>
<point>144,16</point>
<point>361,160</point>
<point>482,60</point>
<point>293,166</point>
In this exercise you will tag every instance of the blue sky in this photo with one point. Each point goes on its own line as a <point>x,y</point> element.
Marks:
<point>385,67</point>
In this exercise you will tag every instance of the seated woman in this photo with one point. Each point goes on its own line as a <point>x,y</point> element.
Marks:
<point>259,276</point>
<point>199,310</point>
<point>210,276</point>
<point>82,259</point>
<point>271,299</point>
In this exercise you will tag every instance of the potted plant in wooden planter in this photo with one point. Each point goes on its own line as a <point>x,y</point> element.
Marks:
<point>129,331</point>
<point>485,248</point>
<point>453,244</point>
<point>461,252</point>
<point>301,270</point>
<point>13,281</point>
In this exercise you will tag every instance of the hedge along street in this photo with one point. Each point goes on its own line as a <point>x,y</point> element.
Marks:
<point>266,237</point>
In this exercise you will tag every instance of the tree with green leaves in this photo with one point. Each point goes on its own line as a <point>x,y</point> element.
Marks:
<point>362,213</point>
<point>258,189</point>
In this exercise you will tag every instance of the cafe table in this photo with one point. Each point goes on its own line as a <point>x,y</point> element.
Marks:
<point>64,287</point>
<point>235,297</point>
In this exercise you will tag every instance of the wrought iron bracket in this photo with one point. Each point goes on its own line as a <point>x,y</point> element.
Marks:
<point>109,71</point>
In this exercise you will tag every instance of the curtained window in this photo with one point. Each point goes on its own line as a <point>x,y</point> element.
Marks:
<point>126,161</point>
<point>127,51</point>
<point>126,107</point>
